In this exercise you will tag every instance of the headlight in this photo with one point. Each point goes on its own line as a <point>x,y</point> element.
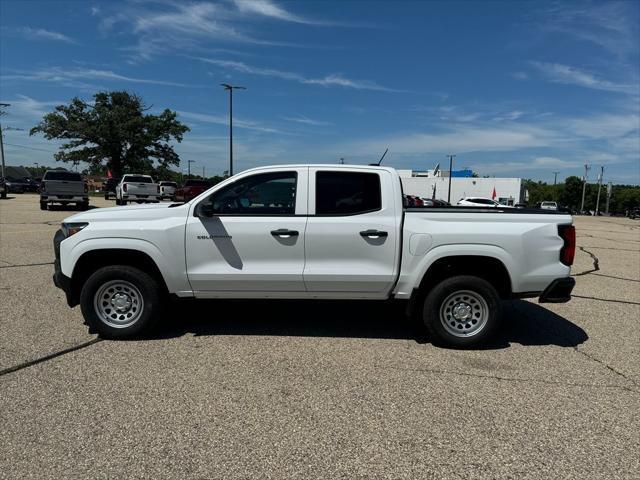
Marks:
<point>72,228</point>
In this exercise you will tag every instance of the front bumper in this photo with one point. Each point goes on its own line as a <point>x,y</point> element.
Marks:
<point>60,280</point>
<point>559,291</point>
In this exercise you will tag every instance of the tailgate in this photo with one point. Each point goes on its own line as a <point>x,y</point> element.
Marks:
<point>142,188</point>
<point>63,187</point>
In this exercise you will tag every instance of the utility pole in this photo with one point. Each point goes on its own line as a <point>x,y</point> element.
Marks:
<point>609,187</point>
<point>189,162</point>
<point>341,160</point>
<point>584,185</point>
<point>203,172</point>
<point>231,88</point>
<point>2,145</point>
<point>599,188</point>
<point>451,157</point>
<point>555,182</point>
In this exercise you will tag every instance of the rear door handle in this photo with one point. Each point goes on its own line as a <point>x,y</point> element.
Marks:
<point>373,234</point>
<point>285,233</point>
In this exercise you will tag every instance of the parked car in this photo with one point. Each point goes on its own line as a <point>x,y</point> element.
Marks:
<point>480,202</point>
<point>548,205</point>
<point>30,185</point>
<point>110,187</point>
<point>413,201</point>
<point>191,189</point>
<point>3,188</point>
<point>634,213</point>
<point>309,232</point>
<point>15,185</point>
<point>137,188</point>
<point>168,190</point>
<point>64,187</point>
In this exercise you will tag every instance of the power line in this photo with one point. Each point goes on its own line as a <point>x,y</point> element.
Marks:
<point>30,148</point>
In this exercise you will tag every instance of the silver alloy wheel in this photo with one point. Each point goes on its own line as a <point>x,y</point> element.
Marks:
<point>464,313</point>
<point>118,303</point>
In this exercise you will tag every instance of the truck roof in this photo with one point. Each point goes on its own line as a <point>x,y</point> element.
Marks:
<point>324,165</point>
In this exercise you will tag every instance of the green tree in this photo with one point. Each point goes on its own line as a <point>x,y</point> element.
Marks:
<point>114,132</point>
<point>571,193</point>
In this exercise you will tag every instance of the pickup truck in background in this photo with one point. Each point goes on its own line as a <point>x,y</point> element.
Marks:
<point>137,188</point>
<point>191,189</point>
<point>168,190</point>
<point>314,232</point>
<point>110,187</point>
<point>64,187</point>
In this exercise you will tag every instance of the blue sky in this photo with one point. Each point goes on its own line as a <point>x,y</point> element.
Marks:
<point>510,88</point>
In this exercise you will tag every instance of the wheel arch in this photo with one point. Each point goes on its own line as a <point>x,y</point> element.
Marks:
<point>93,260</point>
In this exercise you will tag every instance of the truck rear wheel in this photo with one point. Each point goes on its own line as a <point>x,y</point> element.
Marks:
<point>119,301</point>
<point>43,205</point>
<point>461,311</point>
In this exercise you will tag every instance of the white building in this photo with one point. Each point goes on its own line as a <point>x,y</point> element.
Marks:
<point>508,191</point>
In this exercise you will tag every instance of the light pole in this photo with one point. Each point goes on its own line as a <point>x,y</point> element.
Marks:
<point>1,144</point>
<point>599,188</point>
<point>189,162</point>
<point>555,181</point>
<point>231,88</point>
<point>451,157</point>
<point>584,186</point>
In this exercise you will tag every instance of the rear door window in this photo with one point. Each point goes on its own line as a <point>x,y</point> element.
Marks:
<point>347,193</point>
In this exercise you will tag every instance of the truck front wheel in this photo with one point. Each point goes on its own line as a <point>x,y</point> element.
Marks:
<point>461,311</point>
<point>119,301</point>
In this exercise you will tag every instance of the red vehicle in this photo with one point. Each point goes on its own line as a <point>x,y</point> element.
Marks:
<point>191,189</point>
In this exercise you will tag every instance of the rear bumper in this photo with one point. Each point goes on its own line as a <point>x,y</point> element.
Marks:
<point>64,198</point>
<point>559,291</point>
<point>60,280</point>
<point>142,198</point>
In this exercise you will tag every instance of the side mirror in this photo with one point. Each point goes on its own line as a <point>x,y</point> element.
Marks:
<point>205,209</point>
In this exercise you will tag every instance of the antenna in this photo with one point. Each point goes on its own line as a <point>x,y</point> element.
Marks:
<point>381,158</point>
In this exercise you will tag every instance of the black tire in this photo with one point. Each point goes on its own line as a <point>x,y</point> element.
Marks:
<point>3,194</point>
<point>84,205</point>
<point>147,287</point>
<point>43,205</point>
<point>470,307</point>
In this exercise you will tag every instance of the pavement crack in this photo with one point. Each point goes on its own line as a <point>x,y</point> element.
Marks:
<point>26,265</point>
<point>51,356</point>
<point>606,365</point>
<point>515,379</point>
<point>617,278</point>
<point>628,302</point>
<point>596,263</point>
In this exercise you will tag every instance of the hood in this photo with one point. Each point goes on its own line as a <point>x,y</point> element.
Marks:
<point>126,213</point>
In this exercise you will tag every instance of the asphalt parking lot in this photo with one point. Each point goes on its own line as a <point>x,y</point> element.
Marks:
<point>322,389</point>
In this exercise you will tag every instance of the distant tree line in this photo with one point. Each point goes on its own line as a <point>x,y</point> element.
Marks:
<point>569,194</point>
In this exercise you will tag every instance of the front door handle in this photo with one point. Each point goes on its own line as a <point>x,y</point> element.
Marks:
<point>284,233</point>
<point>373,234</point>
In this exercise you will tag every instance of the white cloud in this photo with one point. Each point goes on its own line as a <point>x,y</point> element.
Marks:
<point>269,9</point>
<point>42,34</point>
<point>613,26</point>
<point>224,120</point>
<point>326,81</point>
<point>70,76</point>
<point>307,121</point>
<point>565,74</point>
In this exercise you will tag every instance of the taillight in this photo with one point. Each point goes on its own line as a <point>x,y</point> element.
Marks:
<point>124,187</point>
<point>568,250</point>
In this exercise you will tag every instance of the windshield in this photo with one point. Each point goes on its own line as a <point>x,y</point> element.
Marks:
<point>64,176</point>
<point>137,179</point>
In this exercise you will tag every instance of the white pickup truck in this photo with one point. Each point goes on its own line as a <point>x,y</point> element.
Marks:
<point>313,232</point>
<point>137,188</point>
